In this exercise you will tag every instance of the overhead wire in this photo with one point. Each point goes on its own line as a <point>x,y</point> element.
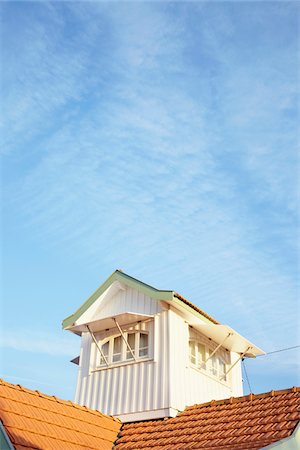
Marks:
<point>246,375</point>
<point>266,354</point>
<point>281,350</point>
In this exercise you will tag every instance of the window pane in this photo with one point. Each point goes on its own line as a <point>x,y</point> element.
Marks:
<point>222,369</point>
<point>104,348</point>
<point>201,356</point>
<point>213,364</point>
<point>192,346</point>
<point>117,349</point>
<point>143,350</point>
<point>143,340</point>
<point>131,342</point>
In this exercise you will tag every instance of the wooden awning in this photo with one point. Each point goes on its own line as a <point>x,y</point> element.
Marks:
<point>229,338</point>
<point>105,323</point>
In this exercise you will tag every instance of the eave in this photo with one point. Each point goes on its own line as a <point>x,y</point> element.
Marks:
<point>164,295</point>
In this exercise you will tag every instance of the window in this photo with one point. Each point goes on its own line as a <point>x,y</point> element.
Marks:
<point>115,349</point>
<point>197,354</point>
<point>143,345</point>
<point>222,369</point>
<point>131,342</point>
<point>105,348</point>
<point>200,353</point>
<point>193,358</point>
<point>201,356</point>
<point>212,363</point>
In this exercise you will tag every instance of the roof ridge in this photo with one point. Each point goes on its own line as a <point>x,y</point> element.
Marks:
<point>69,403</point>
<point>244,398</point>
<point>140,281</point>
<point>118,274</point>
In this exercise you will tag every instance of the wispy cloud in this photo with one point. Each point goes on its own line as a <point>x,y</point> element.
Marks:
<point>161,138</point>
<point>38,342</point>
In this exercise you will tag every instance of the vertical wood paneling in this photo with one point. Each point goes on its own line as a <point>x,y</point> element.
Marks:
<point>127,300</point>
<point>84,367</point>
<point>165,360</point>
<point>95,396</point>
<point>126,386</point>
<point>82,400</point>
<point>187,385</point>
<point>104,393</point>
<point>129,388</point>
<point>119,381</point>
<point>236,377</point>
<point>149,396</point>
<point>166,381</point>
<point>100,399</point>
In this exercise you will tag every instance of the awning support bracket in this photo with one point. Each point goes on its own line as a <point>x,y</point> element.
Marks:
<point>239,358</point>
<point>217,348</point>
<point>124,338</point>
<point>97,345</point>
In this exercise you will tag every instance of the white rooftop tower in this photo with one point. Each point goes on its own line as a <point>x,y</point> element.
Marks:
<point>147,353</point>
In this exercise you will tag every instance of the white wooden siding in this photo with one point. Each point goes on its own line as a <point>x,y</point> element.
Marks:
<point>188,385</point>
<point>127,300</point>
<point>164,381</point>
<point>130,388</point>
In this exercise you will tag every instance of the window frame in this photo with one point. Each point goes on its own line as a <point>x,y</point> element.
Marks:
<point>214,366</point>
<point>125,354</point>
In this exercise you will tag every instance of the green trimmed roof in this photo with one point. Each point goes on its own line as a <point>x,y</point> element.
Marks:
<point>151,291</point>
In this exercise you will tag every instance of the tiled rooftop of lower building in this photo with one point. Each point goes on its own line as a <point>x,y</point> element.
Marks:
<point>249,422</point>
<point>36,421</point>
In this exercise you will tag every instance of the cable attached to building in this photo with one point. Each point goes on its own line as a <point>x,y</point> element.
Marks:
<point>266,354</point>
<point>246,375</point>
<point>281,350</point>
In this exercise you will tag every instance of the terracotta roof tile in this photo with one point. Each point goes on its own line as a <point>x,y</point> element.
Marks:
<point>249,422</point>
<point>36,421</point>
<point>191,305</point>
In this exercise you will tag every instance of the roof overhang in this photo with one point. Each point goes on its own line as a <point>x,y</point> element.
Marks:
<point>106,323</point>
<point>193,315</point>
<point>229,338</point>
<point>124,279</point>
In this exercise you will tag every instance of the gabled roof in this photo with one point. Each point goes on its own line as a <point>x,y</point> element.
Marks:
<point>33,420</point>
<point>196,317</point>
<point>151,291</point>
<point>249,422</point>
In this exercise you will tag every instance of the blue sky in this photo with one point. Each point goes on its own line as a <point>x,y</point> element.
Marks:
<point>160,138</point>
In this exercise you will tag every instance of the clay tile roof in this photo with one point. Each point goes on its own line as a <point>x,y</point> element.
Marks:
<point>36,421</point>
<point>249,422</point>
<point>200,311</point>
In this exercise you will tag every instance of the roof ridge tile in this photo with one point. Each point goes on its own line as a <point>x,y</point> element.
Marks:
<point>244,398</point>
<point>196,308</point>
